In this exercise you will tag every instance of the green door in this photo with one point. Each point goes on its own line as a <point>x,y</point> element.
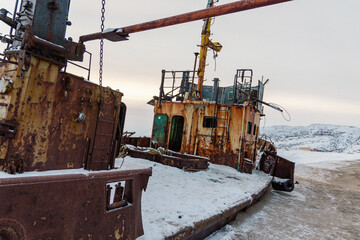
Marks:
<point>176,133</point>
<point>160,129</point>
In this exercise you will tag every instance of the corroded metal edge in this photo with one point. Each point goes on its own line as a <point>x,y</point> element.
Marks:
<point>204,228</point>
<point>73,206</point>
<point>178,160</point>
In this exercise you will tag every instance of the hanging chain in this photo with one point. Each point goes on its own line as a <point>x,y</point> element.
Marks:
<point>102,42</point>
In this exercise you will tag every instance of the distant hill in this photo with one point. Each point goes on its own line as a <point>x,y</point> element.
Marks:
<point>322,137</point>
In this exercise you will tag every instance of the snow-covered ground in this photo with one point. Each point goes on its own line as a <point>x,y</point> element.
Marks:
<point>323,137</point>
<point>176,199</point>
<point>324,205</point>
<point>301,157</point>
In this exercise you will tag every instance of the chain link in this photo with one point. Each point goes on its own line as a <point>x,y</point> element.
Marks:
<point>102,43</point>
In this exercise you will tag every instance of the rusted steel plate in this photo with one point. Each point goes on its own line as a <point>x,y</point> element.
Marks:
<point>58,116</point>
<point>102,152</point>
<point>268,162</point>
<point>73,206</point>
<point>182,161</point>
<point>136,141</point>
<point>277,166</point>
<point>284,169</point>
<point>265,145</point>
<point>247,166</point>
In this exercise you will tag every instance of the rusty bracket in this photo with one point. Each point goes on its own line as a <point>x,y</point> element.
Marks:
<point>24,60</point>
<point>7,129</point>
<point>277,166</point>
<point>174,159</point>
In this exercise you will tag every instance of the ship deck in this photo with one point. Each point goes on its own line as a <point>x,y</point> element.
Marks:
<point>190,205</point>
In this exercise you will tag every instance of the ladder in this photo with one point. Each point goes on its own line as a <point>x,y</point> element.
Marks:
<point>102,152</point>
<point>222,115</point>
<point>223,111</point>
<point>242,84</point>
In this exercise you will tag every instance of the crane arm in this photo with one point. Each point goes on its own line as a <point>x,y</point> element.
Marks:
<point>119,34</point>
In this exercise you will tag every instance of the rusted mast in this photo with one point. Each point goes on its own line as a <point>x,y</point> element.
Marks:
<point>119,34</point>
<point>203,52</point>
<point>205,44</point>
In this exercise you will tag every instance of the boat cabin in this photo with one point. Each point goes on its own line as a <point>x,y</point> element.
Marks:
<point>223,125</point>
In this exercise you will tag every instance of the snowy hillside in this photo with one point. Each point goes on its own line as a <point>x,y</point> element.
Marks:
<point>323,137</point>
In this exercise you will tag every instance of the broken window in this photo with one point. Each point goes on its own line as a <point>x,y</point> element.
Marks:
<point>176,133</point>
<point>254,132</point>
<point>249,127</point>
<point>230,95</point>
<point>118,194</point>
<point>210,122</point>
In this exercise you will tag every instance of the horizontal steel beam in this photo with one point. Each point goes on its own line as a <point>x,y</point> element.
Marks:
<point>119,34</point>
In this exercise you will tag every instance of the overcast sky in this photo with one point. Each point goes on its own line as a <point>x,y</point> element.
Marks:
<point>309,49</point>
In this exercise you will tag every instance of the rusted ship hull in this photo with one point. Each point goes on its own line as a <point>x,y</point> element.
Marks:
<point>206,227</point>
<point>72,206</point>
<point>53,120</point>
<point>58,120</point>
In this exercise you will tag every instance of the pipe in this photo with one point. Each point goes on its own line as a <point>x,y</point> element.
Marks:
<point>242,136</point>
<point>118,34</point>
<point>193,76</point>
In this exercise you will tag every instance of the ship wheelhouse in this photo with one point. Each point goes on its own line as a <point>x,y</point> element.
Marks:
<point>223,125</point>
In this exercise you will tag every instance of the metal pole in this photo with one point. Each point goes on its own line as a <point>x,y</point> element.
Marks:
<point>14,16</point>
<point>161,86</point>
<point>89,64</point>
<point>192,81</point>
<point>182,18</point>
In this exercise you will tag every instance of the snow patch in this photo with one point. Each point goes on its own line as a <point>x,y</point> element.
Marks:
<point>176,199</point>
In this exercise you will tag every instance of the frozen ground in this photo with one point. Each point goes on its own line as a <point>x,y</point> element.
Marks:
<point>176,199</point>
<point>323,137</point>
<point>324,205</point>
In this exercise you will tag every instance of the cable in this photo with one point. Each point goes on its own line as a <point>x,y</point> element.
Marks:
<point>122,162</point>
<point>264,121</point>
<point>282,113</point>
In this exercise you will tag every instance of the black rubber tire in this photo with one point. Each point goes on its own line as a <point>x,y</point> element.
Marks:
<point>286,186</point>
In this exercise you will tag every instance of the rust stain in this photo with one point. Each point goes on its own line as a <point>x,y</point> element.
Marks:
<point>46,104</point>
<point>220,144</point>
<point>117,234</point>
<point>61,214</point>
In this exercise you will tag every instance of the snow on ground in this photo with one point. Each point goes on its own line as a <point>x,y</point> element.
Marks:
<point>310,157</point>
<point>324,205</point>
<point>45,173</point>
<point>175,199</point>
<point>323,137</point>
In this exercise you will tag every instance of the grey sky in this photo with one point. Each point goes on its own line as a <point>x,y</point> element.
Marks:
<point>309,49</point>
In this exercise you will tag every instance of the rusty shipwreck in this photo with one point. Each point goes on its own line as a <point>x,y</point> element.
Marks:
<point>60,133</point>
<point>221,123</point>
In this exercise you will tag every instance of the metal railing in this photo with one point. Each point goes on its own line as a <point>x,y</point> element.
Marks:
<point>175,84</point>
<point>88,69</point>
